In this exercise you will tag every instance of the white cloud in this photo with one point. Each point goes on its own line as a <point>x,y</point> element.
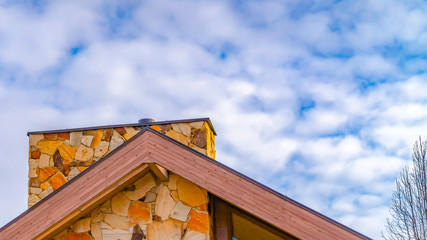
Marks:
<point>250,67</point>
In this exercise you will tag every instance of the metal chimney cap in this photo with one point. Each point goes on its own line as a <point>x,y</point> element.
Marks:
<point>145,121</point>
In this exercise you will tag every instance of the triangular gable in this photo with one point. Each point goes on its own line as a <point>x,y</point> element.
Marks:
<point>131,160</point>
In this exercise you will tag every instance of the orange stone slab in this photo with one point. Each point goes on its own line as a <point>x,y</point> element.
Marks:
<point>139,212</point>
<point>76,236</point>
<point>108,133</point>
<point>46,172</point>
<point>35,154</point>
<point>57,180</point>
<point>199,221</point>
<point>50,136</point>
<point>120,131</point>
<point>64,136</point>
<point>155,127</point>
<point>81,169</point>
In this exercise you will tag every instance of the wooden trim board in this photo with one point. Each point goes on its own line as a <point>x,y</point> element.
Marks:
<point>149,147</point>
<point>85,191</point>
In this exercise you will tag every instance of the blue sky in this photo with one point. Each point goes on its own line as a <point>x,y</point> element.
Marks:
<point>321,100</point>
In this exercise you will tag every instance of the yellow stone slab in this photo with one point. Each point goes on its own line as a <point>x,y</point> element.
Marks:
<point>97,138</point>
<point>190,194</point>
<point>67,151</point>
<point>49,147</point>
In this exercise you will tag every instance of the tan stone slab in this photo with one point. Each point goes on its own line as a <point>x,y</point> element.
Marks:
<point>84,153</point>
<point>32,168</point>
<point>33,199</point>
<point>101,149</point>
<point>73,172</point>
<point>183,128</point>
<point>180,212</point>
<point>130,129</point>
<point>46,192</point>
<point>173,178</point>
<point>150,197</point>
<point>96,215</point>
<point>169,229</point>
<point>193,235</point>
<point>106,207</point>
<point>200,150</point>
<point>174,195</point>
<point>142,186</point>
<point>116,221</point>
<point>95,231</point>
<point>116,234</point>
<point>36,191</point>
<point>103,225</point>
<point>44,160</point>
<point>34,139</point>
<point>196,124</point>
<point>87,140</point>
<point>82,226</point>
<point>75,138</point>
<point>178,137</point>
<point>45,185</point>
<point>34,182</point>
<point>116,140</point>
<point>164,202</point>
<point>130,132</point>
<point>120,204</point>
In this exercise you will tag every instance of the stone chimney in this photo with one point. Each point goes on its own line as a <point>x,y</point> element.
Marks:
<point>57,156</point>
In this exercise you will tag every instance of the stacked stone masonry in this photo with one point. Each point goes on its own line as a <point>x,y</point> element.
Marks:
<point>147,209</point>
<point>55,158</point>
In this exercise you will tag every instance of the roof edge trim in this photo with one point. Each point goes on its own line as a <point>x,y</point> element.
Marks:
<point>292,201</point>
<point>125,125</point>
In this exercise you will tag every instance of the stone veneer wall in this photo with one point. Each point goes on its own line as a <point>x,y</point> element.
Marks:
<point>147,209</point>
<point>55,158</point>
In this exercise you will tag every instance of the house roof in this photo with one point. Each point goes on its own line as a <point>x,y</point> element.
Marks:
<point>149,149</point>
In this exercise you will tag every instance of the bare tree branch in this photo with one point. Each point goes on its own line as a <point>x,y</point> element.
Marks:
<point>408,206</point>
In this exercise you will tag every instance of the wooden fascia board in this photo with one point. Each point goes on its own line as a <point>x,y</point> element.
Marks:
<point>76,198</point>
<point>244,194</point>
<point>128,162</point>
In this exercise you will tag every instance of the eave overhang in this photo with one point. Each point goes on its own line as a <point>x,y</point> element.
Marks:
<point>133,159</point>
